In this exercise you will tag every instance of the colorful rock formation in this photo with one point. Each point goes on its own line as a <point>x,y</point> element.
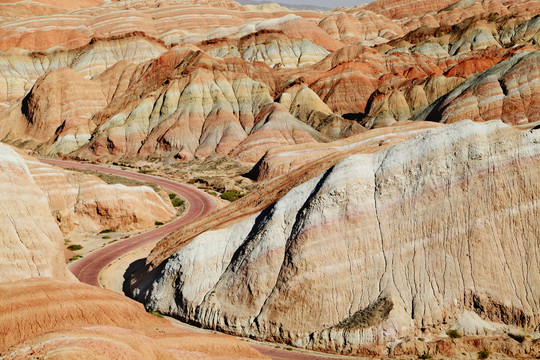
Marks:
<point>385,244</point>
<point>44,311</point>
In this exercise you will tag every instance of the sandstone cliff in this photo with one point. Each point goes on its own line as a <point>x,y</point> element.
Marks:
<point>406,241</point>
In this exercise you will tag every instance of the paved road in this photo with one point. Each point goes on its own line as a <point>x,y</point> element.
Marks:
<point>88,268</point>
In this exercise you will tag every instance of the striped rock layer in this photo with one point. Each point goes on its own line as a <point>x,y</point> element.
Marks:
<point>433,233</point>
<point>38,198</point>
<point>49,318</point>
<point>44,311</point>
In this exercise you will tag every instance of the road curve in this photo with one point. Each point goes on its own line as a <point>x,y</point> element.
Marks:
<point>88,268</point>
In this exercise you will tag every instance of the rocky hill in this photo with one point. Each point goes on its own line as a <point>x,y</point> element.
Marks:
<point>143,79</point>
<point>44,311</point>
<point>434,233</point>
<point>391,197</point>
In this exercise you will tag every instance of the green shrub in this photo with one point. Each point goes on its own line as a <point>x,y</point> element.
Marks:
<point>518,337</point>
<point>484,354</point>
<point>156,313</point>
<point>107,231</point>
<point>454,334</point>
<point>75,247</point>
<point>76,257</point>
<point>158,223</point>
<point>176,202</point>
<point>425,355</point>
<point>172,196</point>
<point>231,195</point>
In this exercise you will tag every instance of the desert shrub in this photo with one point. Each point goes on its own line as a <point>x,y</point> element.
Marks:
<point>75,247</point>
<point>454,334</point>
<point>176,202</point>
<point>425,355</point>
<point>231,195</point>
<point>107,231</point>
<point>484,354</point>
<point>106,237</point>
<point>76,257</point>
<point>156,313</point>
<point>172,196</point>
<point>158,223</point>
<point>374,314</point>
<point>66,241</point>
<point>518,337</point>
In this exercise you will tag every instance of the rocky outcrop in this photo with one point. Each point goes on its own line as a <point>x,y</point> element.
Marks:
<point>32,243</point>
<point>281,161</point>
<point>399,242</point>
<point>44,311</point>
<point>21,68</point>
<point>84,203</point>
<point>272,47</point>
<point>506,91</point>
<point>52,318</point>
<point>365,28</point>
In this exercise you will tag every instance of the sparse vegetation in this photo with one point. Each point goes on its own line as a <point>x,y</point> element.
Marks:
<point>106,237</point>
<point>176,202</point>
<point>213,193</point>
<point>107,231</point>
<point>66,241</point>
<point>113,179</point>
<point>156,313</point>
<point>158,223</point>
<point>484,354</point>
<point>146,170</point>
<point>454,334</point>
<point>232,195</point>
<point>425,355</point>
<point>373,314</point>
<point>518,337</point>
<point>421,339</point>
<point>75,247</point>
<point>76,257</point>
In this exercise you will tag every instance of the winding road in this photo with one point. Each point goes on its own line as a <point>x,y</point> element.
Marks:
<point>88,269</point>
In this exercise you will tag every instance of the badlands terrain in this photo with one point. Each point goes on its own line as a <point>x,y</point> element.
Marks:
<point>375,171</point>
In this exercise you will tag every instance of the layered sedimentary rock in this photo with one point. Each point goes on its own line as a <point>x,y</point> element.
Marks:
<point>31,241</point>
<point>85,203</point>
<point>44,311</point>
<point>507,91</point>
<point>21,68</point>
<point>405,241</point>
<point>272,47</point>
<point>386,75</point>
<point>365,28</point>
<point>281,161</point>
<point>54,319</point>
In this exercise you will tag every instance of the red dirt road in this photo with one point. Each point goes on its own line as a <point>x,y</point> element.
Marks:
<point>88,268</point>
